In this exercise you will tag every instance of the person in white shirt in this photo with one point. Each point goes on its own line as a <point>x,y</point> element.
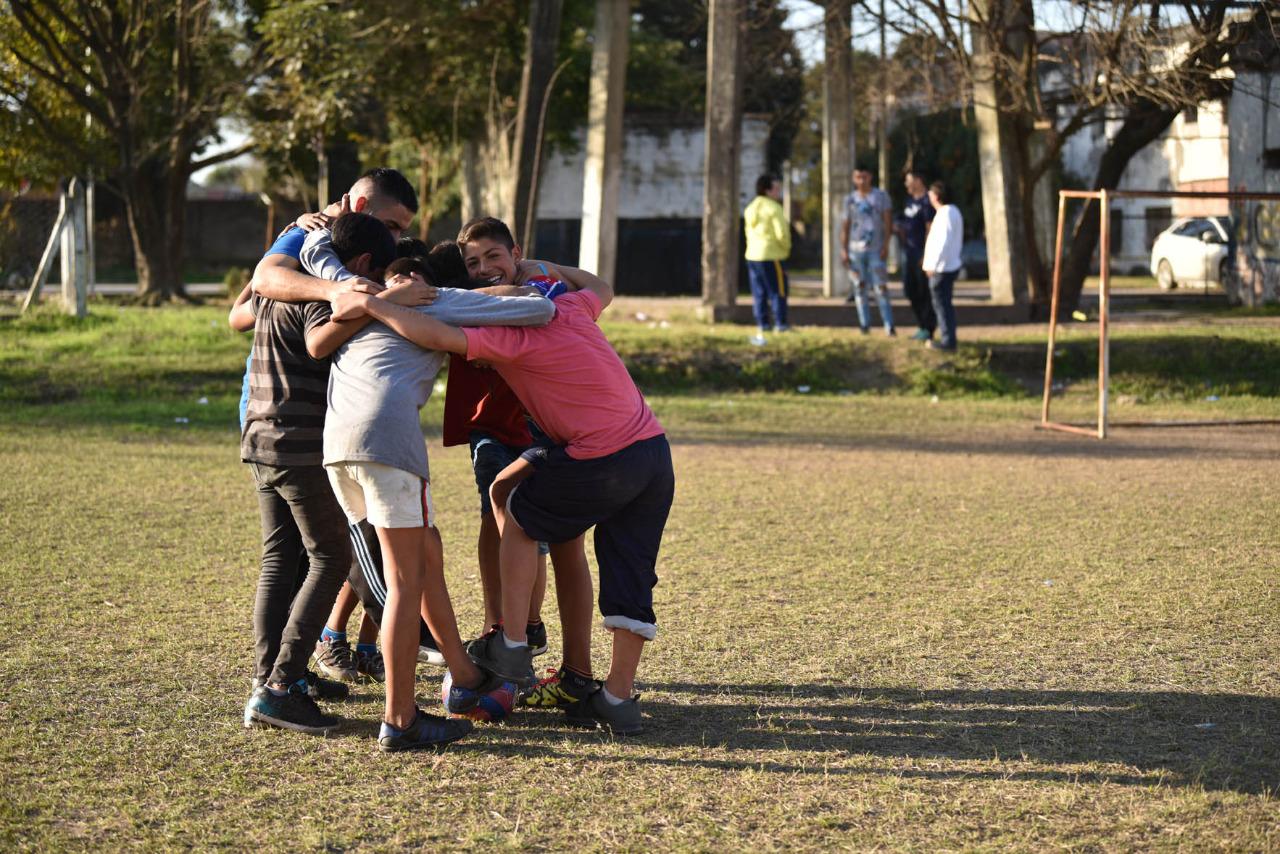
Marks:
<point>941,262</point>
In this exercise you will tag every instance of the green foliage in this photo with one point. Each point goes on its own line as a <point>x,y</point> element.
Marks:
<point>943,145</point>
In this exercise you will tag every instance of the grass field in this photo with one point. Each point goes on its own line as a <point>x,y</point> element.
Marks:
<point>888,621</point>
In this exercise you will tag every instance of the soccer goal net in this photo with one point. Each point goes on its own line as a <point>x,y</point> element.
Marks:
<point>1228,241</point>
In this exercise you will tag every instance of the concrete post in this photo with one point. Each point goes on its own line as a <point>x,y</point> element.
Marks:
<point>598,249</point>
<point>75,252</point>
<point>720,214</point>
<point>837,138</point>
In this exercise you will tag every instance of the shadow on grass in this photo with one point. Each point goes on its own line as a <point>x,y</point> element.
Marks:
<point>1226,442</point>
<point>1218,741</point>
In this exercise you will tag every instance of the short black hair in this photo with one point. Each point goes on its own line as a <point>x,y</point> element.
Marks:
<point>407,265</point>
<point>486,227</point>
<point>765,183</point>
<point>411,247</point>
<point>390,183</point>
<point>918,174</point>
<point>354,234</point>
<point>446,260</point>
<point>940,190</point>
<point>863,167</point>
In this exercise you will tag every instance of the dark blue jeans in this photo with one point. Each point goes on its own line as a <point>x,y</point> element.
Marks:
<point>941,287</point>
<point>915,284</point>
<point>768,280</point>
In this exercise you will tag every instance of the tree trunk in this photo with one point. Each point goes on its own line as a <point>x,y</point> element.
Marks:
<point>1143,124</point>
<point>155,204</point>
<point>539,64</point>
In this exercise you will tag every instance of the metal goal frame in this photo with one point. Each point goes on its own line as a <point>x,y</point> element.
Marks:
<point>1103,197</point>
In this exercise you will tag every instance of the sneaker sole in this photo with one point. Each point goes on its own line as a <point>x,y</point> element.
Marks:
<point>258,719</point>
<point>597,724</point>
<point>430,656</point>
<point>387,747</point>
<point>539,650</point>
<point>527,680</point>
<point>335,673</point>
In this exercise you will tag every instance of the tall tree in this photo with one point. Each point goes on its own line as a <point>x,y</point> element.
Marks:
<point>1134,64</point>
<point>133,91</point>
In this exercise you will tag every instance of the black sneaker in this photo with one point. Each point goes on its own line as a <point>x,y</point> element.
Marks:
<point>536,634</point>
<point>477,644</point>
<point>595,711</point>
<point>325,689</point>
<point>293,710</point>
<point>425,733</point>
<point>490,651</point>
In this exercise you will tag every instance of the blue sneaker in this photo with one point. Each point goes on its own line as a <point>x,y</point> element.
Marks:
<point>293,710</point>
<point>425,733</point>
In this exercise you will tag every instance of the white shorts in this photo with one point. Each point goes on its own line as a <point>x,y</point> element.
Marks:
<point>388,497</point>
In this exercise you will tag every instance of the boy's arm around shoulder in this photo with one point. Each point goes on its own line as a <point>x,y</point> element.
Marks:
<point>576,279</point>
<point>471,308</point>
<point>241,318</point>
<point>426,332</point>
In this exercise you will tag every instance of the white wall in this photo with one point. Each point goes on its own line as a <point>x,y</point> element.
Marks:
<point>662,170</point>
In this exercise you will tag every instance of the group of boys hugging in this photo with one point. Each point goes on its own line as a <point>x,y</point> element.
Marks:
<point>351,324</point>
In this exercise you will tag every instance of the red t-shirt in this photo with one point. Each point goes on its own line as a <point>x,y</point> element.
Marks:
<point>569,378</point>
<point>479,399</point>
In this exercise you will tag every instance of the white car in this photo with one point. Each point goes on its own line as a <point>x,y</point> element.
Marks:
<point>1197,249</point>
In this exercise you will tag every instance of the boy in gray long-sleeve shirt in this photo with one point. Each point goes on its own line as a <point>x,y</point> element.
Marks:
<point>377,463</point>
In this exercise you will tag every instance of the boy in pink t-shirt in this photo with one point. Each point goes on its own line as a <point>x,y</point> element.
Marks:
<point>610,468</point>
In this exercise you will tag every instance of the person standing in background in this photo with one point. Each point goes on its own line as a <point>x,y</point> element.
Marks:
<point>911,227</point>
<point>942,263</point>
<point>768,245</point>
<point>864,247</point>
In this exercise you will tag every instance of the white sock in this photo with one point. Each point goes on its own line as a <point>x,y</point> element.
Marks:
<point>513,644</point>
<point>610,699</point>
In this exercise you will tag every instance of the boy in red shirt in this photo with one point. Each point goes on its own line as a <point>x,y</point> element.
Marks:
<point>610,468</point>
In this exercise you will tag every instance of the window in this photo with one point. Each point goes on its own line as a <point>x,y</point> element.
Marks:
<point>1117,231</point>
<point>1191,115</point>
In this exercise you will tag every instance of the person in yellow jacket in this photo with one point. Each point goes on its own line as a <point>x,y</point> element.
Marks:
<point>768,245</point>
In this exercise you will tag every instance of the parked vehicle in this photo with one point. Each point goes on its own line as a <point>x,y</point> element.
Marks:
<point>973,255</point>
<point>1195,249</point>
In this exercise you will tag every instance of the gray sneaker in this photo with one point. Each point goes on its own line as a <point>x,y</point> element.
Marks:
<point>372,666</point>
<point>596,711</point>
<point>492,653</point>
<point>336,659</point>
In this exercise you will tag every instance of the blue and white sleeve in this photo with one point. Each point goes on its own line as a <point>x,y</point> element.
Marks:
<point>319,259</point>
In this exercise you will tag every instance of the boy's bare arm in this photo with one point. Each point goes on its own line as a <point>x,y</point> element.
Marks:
<point>333,334</point>
<point>280,278</point>
<point>426,332</point>
<point>576,279</point>
<point>241,317</point>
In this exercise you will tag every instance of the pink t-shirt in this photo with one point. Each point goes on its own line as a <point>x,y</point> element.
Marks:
<point>569,378</point>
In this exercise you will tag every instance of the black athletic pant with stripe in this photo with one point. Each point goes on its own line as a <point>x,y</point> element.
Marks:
<point>367,580</point>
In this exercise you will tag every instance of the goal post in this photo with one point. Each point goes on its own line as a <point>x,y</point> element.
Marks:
<point>1104,198</point>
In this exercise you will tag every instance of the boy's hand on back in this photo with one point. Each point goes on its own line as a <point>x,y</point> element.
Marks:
<point>350,305</point>
<point>325,218</point>
<point>410,290</point>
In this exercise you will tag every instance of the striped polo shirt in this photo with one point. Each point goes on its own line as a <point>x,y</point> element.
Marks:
<point>284,420</point>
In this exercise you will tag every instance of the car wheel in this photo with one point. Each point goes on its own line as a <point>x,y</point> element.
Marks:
<point>1164,275</point>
